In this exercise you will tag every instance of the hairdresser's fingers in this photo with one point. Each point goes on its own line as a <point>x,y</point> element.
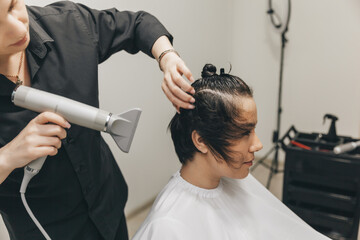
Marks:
<point>184,70</point>
<point>49,142</point>
<point>45,151</point>
<point>32,142</point>
<point>174,65</point>
<point>175,101</point>
<point>180,82</point>
<point>176,90</point>
<point>41,141</point>
<point>169,89</point>
<point>47,117</point>
<point>25,146</point>
<point>52,130</point>
<point>37,153</point>
<point>177,109</point>
<point>169,95</point>
<point>179,87</point>
<point>185,85</point>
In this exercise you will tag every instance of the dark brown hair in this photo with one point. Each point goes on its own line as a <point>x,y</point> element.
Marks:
<point>215,117</point>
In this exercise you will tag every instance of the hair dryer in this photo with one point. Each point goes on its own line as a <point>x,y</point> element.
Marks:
<point>121,127</point>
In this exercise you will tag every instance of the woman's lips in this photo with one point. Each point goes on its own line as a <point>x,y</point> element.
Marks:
<point>249,163</point>
<point>21,42</point>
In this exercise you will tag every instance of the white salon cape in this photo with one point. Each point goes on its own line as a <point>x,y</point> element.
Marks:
<point>236,210</point>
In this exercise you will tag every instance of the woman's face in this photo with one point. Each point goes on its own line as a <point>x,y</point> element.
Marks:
<point>242,150</point>
<point>14,27</point>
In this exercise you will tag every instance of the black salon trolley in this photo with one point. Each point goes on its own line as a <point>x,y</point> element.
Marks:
<point>321,187</point>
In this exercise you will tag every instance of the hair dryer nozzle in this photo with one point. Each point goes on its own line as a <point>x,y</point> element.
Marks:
<point>122,128</point>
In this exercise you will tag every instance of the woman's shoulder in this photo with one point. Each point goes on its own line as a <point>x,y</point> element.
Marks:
<point>173,194</point>
<point>55,8</point>
<point>180,192</point>
<point>180,199</point>
<point>164,220</point>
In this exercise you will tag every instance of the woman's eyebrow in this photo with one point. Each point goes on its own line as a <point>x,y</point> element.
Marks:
<point>249,125</point>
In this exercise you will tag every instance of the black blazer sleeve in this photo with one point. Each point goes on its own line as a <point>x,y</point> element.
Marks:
<point>113,30</point>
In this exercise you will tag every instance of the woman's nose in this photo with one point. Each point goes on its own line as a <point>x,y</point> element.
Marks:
<point>257,145</point>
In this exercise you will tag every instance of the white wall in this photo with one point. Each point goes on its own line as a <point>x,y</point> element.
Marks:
<point>321,69</point>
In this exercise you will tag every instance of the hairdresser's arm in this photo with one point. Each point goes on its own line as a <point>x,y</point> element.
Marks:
<point>5,170</point>
<point>174,85</point>
<point>41,137</point>
<point>113,31</point>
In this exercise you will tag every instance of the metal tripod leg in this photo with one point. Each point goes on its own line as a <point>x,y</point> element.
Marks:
<point>274,163</point>
<point>274,166</point>
<point>261,161</point>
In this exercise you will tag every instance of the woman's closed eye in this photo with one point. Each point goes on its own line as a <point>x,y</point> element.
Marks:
<point>247,133</point>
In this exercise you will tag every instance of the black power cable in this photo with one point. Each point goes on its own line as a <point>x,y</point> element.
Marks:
<point>274,167</point>
<point>273,16</point>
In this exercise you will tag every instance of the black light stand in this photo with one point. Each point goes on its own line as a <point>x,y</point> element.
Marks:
<point>274,167</point>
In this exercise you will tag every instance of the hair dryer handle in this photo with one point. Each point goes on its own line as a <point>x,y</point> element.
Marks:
<point>30,171</point>
<point>35,166</point>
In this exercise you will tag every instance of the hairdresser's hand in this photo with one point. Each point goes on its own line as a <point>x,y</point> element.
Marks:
<point>41,137</point>
<point>176,88</point>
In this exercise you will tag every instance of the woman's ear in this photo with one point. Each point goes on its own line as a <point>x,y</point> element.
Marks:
<point>199,142</point>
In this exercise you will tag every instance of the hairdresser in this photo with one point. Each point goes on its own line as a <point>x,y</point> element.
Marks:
<point>80,192</point>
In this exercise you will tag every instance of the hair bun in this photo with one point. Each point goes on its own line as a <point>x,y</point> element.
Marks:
<point>208,70</point>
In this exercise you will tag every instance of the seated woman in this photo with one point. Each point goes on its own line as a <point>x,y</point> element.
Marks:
<point>213,196</point>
